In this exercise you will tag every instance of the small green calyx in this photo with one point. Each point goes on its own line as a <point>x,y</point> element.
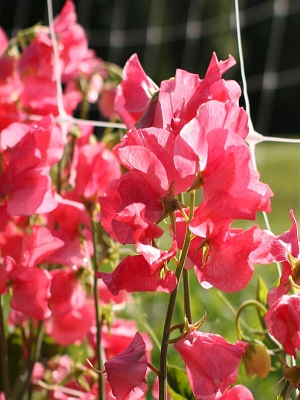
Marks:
<point>186,328</point>
<point>192,327</point>
<point>198,182</point>
<point>294,278</point>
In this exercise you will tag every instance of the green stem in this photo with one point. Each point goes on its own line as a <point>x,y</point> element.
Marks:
<point>4,354</point>
<point>169,315</point>
<point>186,283</point>
<point>248,303</point>
<point>101,387</point>
<point>186,296</point>
<point>32,361</point>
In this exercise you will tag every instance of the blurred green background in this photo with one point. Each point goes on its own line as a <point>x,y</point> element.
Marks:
<point>183,34</point>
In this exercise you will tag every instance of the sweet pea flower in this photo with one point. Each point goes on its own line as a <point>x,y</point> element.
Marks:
<point>130,208</point>
<point>65,223</point>
<point>211,362</point>
<point>151,152</point>
<point>26,163</point>
<point>73,326</point>
<point>211,150</point>
<point>66,292</point>
<point>142,273</point>
<point>238,392</point>
<point>73,43</point>
<point>93,168</point>
<point>290,263</point>
<point>134,93</point>
<point>127,370</point>
<point>180,98</point>
<point>283,322</point>
<point>31,292</point>
<point>30,284</point>
<point>224,257</point>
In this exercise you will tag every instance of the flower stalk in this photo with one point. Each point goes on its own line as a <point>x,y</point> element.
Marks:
<point>101,388</point>
<point>170,310</point>
<point>4,354</point>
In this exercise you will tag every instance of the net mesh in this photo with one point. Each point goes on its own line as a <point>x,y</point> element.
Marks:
<point>184,36</point>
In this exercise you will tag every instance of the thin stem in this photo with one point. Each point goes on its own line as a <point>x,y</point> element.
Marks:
<point>101,392</point>
<point>186,283</point>
<point>186,296</point>
<point>248,303</point>
<point>32,361</point>
<point>4,354</point>
<point>170,310</point>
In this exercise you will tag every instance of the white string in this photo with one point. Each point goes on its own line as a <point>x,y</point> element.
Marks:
<point>63,116</point>
<point>253,137</point>
<point>101,124</point>
<point>57,72</point>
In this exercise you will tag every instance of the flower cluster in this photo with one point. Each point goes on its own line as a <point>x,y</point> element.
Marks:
<point>83,225</point>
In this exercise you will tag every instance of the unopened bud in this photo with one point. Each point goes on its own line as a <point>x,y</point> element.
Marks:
<point>257,360</point>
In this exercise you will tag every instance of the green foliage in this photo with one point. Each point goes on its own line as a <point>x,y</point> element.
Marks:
<point>178,385</point>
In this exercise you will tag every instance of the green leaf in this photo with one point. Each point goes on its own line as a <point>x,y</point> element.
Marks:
<point>286,391</point>
<point>261,291</point>
<point>178,384</point>
<point>15,358</point>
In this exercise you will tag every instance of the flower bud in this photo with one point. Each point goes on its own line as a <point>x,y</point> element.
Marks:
<point>257,360</point>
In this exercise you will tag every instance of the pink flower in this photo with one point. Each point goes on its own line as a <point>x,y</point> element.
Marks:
<point>151,152</point>
<point>224,257</point>
<point>6,269</point>
<point>129,209</point>
<point>73,326</point>
<point>126,371</point>
<point>118,336</point>
<point>238,392</point>
<point>38,245</point>
<point>66,293</point>
<point>25,178</point>
<point>283,322</point>
<point>289,237</point>
<point>180,98</point>
<point>211,150</point>
<point>143,272</point>
<point>31,292</point>
<point>211,362</point>
<point>134,93</point>
<point>73,44</point>
<point>92,169</point>
<point>64,222</point>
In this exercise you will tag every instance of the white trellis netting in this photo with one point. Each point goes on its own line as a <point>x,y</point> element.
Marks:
<point>184,35</point>
<point>119,38</point>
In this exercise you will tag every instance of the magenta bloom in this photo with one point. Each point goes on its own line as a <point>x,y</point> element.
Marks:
<point>212,151</point>
<point>134,93</point>
<point>129,209</point>
<point>142,273</point>
<point>126,371</point>
<point>238,392</point>
<point>211,362</point>
<point>92,169</point>
<point>73,326</point>
<point>283,322</point>
<point>151,152</point>
<point>31,292</point>
<point>180,98</point>
<point>28,153</point>
<point>289,237</point>
<point>224,257</point>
